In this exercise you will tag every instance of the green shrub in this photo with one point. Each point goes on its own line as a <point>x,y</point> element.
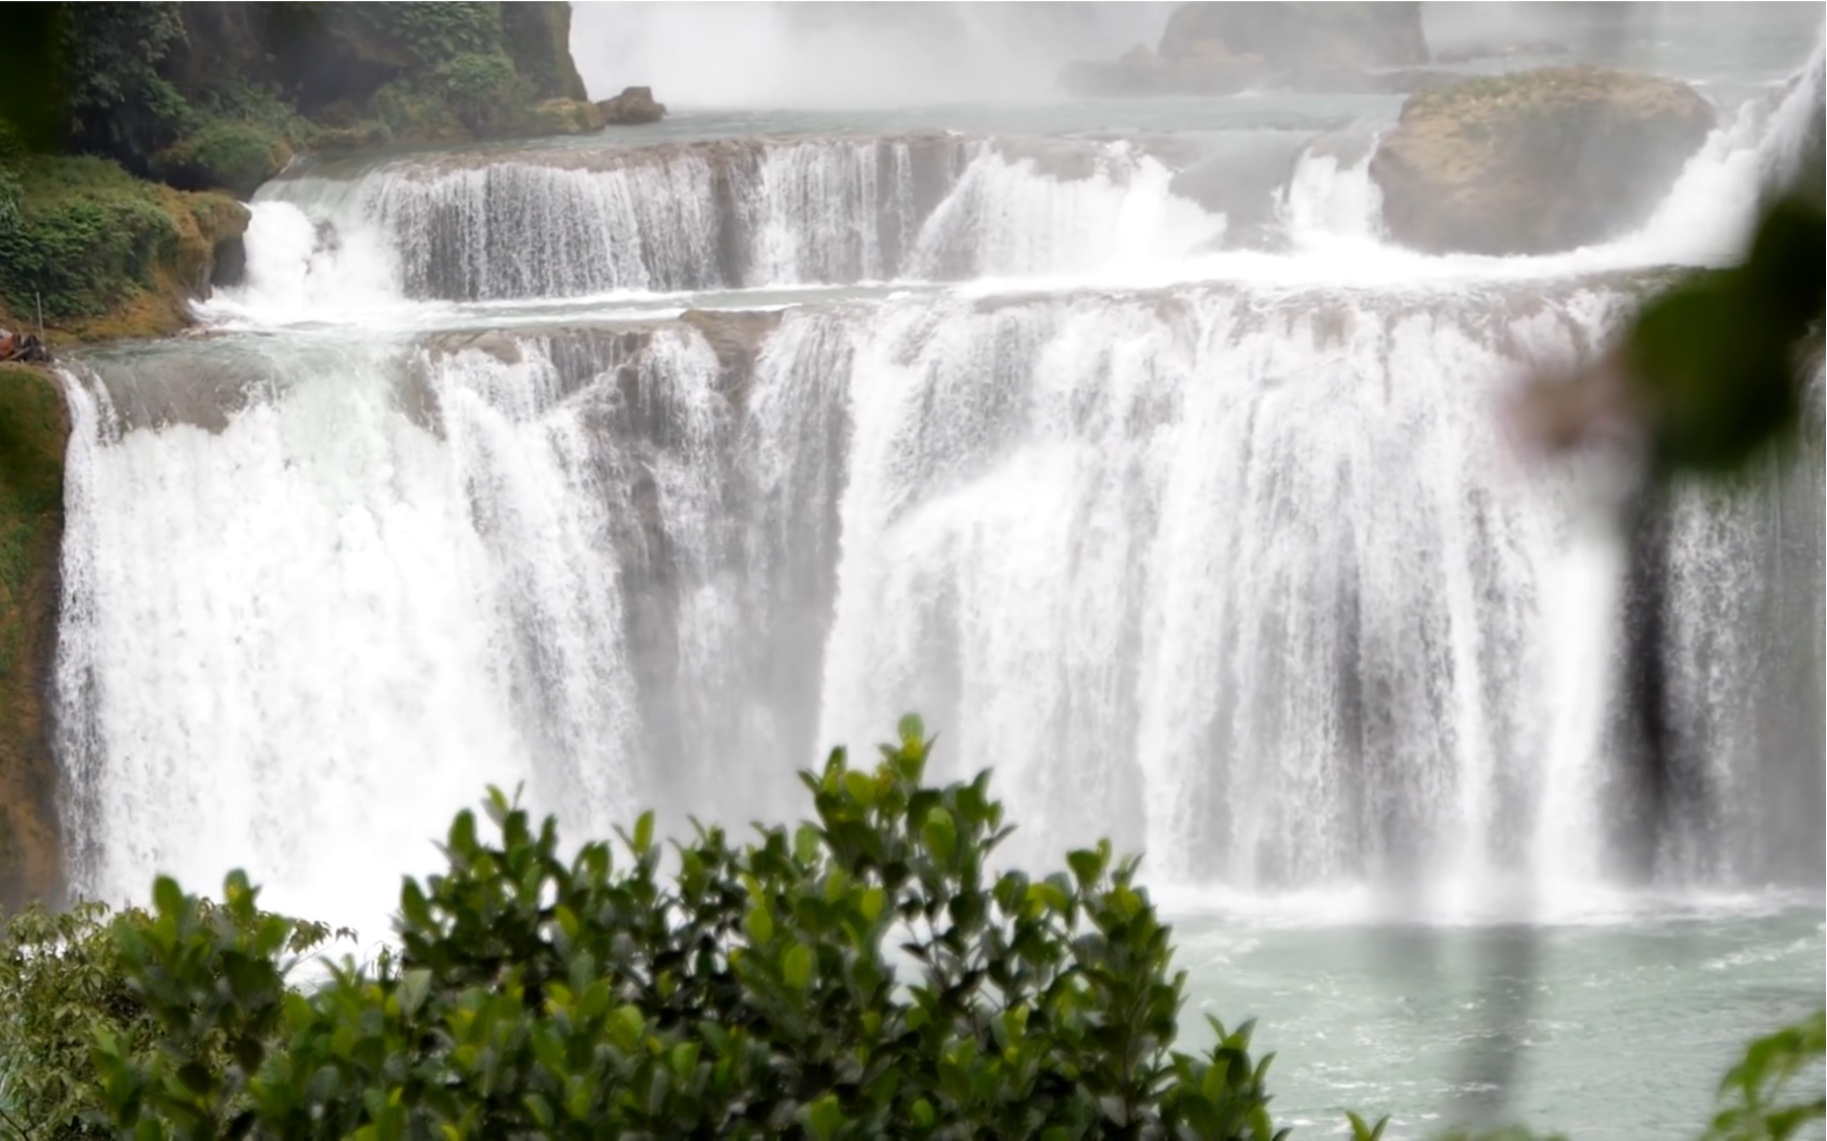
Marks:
<point>860,975</point>
<point>1755,1097</point>
<point>753,993</point>
<point>62,983</point>
<point>12,145</point>
<point>10,194</point>
<point>228,155</point>
<point>479,87</point>
<point>121,106</point>
<point>60,975</point>
<point>83,235</point>
<point>559,117</point>
<point>363,135</point>
<point>436,32</point>
<point>407,112</point>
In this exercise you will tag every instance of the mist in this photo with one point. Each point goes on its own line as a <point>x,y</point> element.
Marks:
<point>848,55</point>
<point>840,56</point>
<point>1660,37</point>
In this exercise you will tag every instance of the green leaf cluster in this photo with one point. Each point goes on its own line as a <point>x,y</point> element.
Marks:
<point>864,974</point>
<point>226,153</point>
<point>1757,1102</point>
<point>437,31</point>
<point>64,988</point>
<point>479,87</point>
<point>120,105</point>
<point>1718,360</point>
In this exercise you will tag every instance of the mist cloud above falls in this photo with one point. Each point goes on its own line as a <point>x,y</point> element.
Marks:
<point>831,56</point>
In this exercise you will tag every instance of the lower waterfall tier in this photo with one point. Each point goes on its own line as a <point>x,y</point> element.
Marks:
<point>1248,578</point>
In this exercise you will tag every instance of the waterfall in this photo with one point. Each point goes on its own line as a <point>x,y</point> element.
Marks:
<point>325,627</point>
<point>1242,571</point>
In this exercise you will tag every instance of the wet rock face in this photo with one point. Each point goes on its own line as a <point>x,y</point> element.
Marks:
<point>1243,184</point>
<point>1535,162</point>
<point>633,105</point>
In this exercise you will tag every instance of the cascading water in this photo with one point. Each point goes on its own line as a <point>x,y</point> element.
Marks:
<point>1239,570</point>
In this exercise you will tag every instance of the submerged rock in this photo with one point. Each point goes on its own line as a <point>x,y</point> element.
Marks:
<point>1535,162</point>
<point>633,105</point>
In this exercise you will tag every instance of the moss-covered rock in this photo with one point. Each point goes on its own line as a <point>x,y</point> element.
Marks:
<point>102,254</point>
<point>225,155</point>
<point>34,432</point>
<point>633,105</point>
<point>365,134</point>
<point>1536,161</point>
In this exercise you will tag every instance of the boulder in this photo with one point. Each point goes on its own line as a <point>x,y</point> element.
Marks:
<point>1143,71</point>
<point>633,105</point>
<point>1299,37</point>
<point>1221,49</point>
<point>1536,161</point>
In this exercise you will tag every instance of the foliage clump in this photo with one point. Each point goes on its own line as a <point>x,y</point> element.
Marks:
<point>1755,1095</point>
<point>479,86</point>
<point>232,155</point>
<point>64,980</point>
<point>863,975</point>
<point>78,233</point>
<point>121,106</point>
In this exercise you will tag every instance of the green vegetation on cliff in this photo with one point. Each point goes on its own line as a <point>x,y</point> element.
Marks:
<point>118,105</point>
<point>104,253</point>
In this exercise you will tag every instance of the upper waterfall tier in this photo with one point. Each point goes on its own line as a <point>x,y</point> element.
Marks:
<point>738,213</point>
<point>593,222</point>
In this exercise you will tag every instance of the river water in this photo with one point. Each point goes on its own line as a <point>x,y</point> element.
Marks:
<point>638,469</point>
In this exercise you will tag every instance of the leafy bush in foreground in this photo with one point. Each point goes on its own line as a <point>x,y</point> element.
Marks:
<point>62,980</point>
<point>858,977</point>
<point>1754,1095</point>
